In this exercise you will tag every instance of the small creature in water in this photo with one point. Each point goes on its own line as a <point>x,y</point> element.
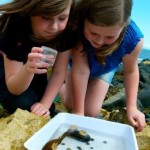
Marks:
<point>80,135</point>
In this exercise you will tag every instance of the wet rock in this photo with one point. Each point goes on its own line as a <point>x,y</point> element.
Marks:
<point>116,93</point>
<point>144,76</point>
<point>144,97</point>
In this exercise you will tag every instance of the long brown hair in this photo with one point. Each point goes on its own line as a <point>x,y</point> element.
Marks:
<point>104,13</point>
<point>27,8</point>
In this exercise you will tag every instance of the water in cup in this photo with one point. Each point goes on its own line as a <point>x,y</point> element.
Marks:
<point>47,55</point>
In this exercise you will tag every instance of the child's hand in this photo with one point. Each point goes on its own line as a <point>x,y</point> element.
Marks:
<point>40,109</point>
<point>136,118</point>
<point>78,113</point>
<point>34,65</point>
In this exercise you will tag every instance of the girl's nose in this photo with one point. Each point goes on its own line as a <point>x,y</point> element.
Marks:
<point>53,25</point>
<point>99,41</point>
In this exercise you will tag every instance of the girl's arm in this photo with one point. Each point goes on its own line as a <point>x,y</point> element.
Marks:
<point>80,77</point>
<point>55,82</point>
<point>131,74</point>
<point>18,75</point>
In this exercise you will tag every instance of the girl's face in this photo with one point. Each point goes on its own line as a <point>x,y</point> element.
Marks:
<point>48,27</point>
<point>99,36</point>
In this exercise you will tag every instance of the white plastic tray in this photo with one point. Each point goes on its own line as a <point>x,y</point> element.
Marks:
<point>107,135</point>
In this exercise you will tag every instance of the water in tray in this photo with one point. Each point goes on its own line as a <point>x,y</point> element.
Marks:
<point>100,140</point>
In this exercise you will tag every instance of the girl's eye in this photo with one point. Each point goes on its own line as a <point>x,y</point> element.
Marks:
<point>93,33</point>
<point>62,19</point>
<point>110,37</point>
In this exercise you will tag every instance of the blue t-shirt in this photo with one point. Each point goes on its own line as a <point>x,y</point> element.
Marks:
<point>131,38</point>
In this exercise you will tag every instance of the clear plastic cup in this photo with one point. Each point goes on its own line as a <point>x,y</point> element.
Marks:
<point>47,55</point>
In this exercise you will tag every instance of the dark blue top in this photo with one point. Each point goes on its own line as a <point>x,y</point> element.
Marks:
<point>131,38</point>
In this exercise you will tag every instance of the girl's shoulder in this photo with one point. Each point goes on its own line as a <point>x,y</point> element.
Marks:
<point>67,40</point>
<point>132,36</point>
<point>133,30</point>
<point>17,36</point>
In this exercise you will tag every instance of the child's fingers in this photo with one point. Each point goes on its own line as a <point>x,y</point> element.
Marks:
<point>36,50</point>
<point>47,113</point>
<point>36,55</point>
